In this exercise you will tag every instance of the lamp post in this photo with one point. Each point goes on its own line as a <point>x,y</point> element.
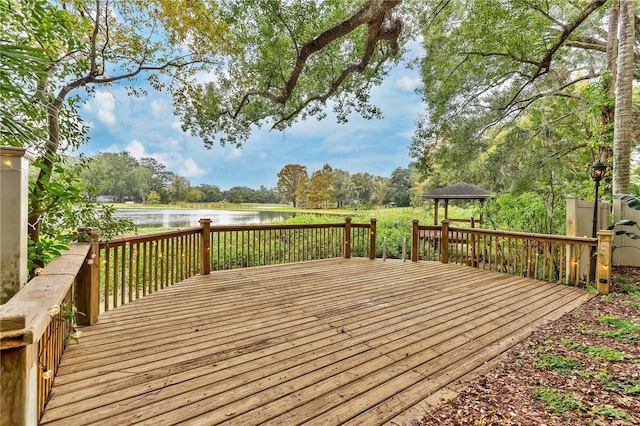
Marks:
<point>597,172</point>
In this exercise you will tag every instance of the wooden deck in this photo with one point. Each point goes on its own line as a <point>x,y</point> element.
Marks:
<point>341,341</point>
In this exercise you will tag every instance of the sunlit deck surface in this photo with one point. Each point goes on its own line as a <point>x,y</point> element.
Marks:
<point>341,341</point>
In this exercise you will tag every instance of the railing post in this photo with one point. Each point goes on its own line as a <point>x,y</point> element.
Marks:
<point>474,259</point>
<point>205,247</point>
<point>444,242</point>
<point>14,186</point>
<point>347,237</point>
<point>19,398</point>
<point>415,237</point>
<point>88,280</point>
<point>372,240</point>
<point>603,268</point>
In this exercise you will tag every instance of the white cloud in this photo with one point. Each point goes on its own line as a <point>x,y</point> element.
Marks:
<point>176,125</point>
<point>112,148</point>
<point>175,143</point>
<point>234,154</point>
<point>136,149</point>
<point>191,169</point>
<point>156,108</point>
<point>106,104</point>
<point>407,83</point>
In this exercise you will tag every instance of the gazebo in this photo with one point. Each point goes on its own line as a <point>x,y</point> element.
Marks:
<point>459,191</point>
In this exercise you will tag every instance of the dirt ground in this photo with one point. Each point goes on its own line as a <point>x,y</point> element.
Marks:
<point>582,369</point>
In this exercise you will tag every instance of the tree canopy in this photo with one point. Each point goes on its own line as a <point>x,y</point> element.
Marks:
<point>531,75</point>
<point>288,66</point>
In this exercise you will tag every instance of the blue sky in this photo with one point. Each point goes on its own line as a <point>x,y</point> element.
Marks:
<point>146,127</point>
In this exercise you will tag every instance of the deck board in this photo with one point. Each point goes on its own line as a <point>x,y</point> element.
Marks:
<point>341,341</point>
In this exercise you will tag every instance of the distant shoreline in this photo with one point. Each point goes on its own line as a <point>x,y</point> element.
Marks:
<point>231,207</point>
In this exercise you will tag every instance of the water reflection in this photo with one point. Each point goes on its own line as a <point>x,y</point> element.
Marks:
<point>170,218</point>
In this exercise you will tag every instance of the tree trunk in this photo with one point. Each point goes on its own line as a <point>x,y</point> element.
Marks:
<point>608,111</point>
<point>36,209</point>
<point>623,132</point>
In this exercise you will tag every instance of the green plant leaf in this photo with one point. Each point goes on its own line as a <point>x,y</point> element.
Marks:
<point>630,200</point>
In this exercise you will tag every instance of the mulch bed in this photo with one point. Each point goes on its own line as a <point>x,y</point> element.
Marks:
<point>581,369</point>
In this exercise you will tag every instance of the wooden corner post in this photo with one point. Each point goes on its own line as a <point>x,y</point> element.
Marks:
<point>372,240</point>
<point>347,238</point>
<point>18,390</point>
<point>603,266</point>
<point>205,247</point>
<point>415,237</point>
<point>88,284</point>
<point>444,242</point>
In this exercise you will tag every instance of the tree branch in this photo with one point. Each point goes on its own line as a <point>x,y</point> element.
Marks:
<point>371,13</point>
<point>545,63</point>
<point>94,38</point>
<point>557,92</point>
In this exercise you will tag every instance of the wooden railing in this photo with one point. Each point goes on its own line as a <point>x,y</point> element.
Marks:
<point>552,258</point>
<point>134,266</point>
<point>35,327</point>
<point>243,246</point>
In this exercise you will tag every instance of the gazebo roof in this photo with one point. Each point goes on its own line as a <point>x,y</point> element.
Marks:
<point>459,191</point>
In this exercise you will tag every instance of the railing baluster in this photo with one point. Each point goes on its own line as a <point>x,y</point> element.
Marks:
<point>107,283</point>
<point>115,277</point>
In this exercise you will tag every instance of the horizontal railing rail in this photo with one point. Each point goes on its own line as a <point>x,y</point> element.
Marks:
<point>552,258</point>
<point>35,327</point>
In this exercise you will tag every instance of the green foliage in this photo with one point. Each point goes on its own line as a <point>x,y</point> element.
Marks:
<point>625,331</point>
<point>153,198</point>
<point>598,352</point>
<point>557,363</point>
<point>631,288</point>
<point>633,202</point>
<point>525,213</point>
<point>69,315</point>
<point>45,250</point>
<point>556,401</point>
<point>292,181</point>
<point>507,108</point>
<point>401,184</point>
<point>33,35</point>
<point>610,412</point>
<point>64,204</point>
<point>625,386</point>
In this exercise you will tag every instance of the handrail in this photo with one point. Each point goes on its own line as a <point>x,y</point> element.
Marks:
<point>35,325</point>
<point>553,258</point>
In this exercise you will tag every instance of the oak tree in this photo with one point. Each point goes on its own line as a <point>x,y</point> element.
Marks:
<point>292,180</point>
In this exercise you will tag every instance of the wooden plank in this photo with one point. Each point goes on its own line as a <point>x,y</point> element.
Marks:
<point>404,326</point>
<point>191,385</point>
<point>235,394</point>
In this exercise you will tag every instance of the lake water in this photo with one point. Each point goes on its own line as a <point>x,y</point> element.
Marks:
<point>175,218</point>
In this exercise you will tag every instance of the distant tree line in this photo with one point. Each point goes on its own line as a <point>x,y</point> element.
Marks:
<point>330,187</point>
<point>125,178</point>
<point>122,178</point>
